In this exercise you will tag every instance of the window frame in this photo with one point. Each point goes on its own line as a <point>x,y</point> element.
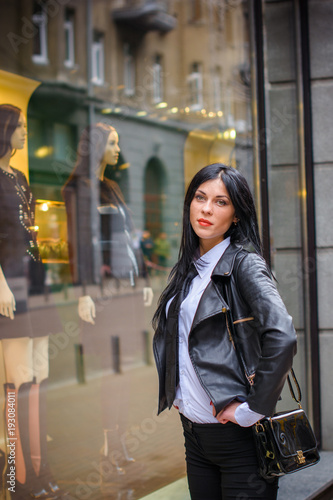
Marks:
<point>195,88</point>
<point>69,30</point>
<point>158,87</point>
<point>129,70</point>
<point>40,21</point>
<point>217,90</point>
<point>98,61</point>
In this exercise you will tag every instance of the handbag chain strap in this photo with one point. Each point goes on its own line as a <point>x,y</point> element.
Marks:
<point>292,392</point>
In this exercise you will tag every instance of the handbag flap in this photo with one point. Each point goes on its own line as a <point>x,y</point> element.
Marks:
<point>293,433</point>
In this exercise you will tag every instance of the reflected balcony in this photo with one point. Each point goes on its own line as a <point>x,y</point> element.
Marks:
<point>145,15</point>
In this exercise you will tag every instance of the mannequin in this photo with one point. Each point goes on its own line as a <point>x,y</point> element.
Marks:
<point>23,339</point>
<point>99,147</point>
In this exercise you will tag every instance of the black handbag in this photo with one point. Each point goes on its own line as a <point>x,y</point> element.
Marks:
<point>285,443</point>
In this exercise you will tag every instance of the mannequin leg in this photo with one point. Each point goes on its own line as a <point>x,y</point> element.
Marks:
<point>114,422</point>
<point>17,355</point>
<point>41,372</point>
<point>40,358</point>
<point>38,417</point>
<point>19,373</point>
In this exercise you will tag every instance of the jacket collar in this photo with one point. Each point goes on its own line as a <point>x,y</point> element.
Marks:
<point>212,303</point>
<point>225,265</point>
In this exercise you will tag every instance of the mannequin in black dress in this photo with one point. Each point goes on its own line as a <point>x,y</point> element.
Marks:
<point>24,340</point>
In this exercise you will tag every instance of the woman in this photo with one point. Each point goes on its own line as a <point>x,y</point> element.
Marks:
<point>93,201</point>
<point>198,367</point>
<point>24,339</point>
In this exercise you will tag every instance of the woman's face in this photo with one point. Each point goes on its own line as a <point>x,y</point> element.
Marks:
<point>112,149</point>
<point>211,213</point>
<point>18,138</point>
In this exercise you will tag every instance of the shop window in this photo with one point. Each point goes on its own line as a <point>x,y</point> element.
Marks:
<point>39,19</point>
<point>98,59</point>
<point>69,39</point>
<point>157,80</point>
<point>194,81</point>
<point>129,70</point>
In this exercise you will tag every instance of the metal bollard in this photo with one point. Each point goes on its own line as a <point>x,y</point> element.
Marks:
<point>79,363</point>
<point>146,347</point>
<point>115,346</point>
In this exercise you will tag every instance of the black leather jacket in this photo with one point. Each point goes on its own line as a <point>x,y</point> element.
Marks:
<point>241,291</point>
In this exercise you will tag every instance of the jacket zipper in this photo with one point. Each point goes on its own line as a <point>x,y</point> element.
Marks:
<point>224,310</point>
<point>250,378</point>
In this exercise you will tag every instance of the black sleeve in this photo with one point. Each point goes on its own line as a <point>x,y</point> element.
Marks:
<point>276,332</point>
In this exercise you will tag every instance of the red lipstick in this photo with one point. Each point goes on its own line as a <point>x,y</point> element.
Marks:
<point>204,222</point>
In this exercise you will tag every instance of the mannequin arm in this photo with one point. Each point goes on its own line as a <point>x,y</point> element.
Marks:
<point>86,309</point>
<point>148,296</point>
<point>7,299</point>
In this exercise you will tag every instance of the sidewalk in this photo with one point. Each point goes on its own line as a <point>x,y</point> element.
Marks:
<point>300,486</point>
<point>75,426</point>
<point>156,443</point>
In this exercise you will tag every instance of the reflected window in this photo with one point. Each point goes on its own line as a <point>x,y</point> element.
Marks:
<point>69,39</point>
<point>63,140</point>
<point>129,70</point>
<point>50,144</point>
<point>35,135</point>
<point>195,88</point>
<point>40,141</point>
<point>154,181</point>
<point>195,10</point>
<point>98,59</point>
<point>157,80</point>
<point>217,89</point>
<point>39,20</point>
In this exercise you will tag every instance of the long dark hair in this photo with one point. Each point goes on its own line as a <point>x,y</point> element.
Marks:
<point>9,118</point>
<point>245,232</point>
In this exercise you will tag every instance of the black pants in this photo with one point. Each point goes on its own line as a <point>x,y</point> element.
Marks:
<point>222,463</point>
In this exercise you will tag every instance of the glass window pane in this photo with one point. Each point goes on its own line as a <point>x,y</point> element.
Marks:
<point>125,101</point>
<point>285,168</point>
